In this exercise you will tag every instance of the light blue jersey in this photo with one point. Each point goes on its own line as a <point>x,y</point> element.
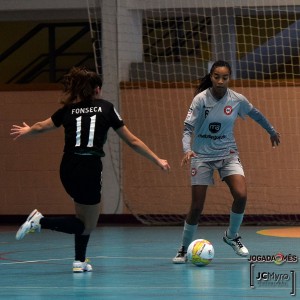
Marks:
<point>213,123</point>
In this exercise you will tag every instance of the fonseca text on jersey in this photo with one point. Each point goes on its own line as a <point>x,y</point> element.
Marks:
<point>86,110</point>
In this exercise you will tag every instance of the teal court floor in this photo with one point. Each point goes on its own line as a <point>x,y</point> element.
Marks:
<point>134,262</point>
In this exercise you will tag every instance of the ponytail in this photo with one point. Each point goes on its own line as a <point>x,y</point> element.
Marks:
<point>80,84</point>
<point>204,84</point>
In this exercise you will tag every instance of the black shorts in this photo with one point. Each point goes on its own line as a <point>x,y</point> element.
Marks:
<point>81,176</point>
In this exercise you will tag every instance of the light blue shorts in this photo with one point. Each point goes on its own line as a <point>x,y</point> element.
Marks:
<point>202,172</point>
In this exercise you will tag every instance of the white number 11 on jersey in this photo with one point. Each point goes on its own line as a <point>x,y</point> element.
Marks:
<point>91,131</point>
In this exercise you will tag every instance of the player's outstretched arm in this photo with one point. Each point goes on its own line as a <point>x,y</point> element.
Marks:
<point>140,147</point>
<point>257,116</point>
<point>18,131</point>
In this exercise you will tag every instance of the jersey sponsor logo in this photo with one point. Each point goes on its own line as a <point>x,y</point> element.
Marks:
<point>193,171</point>
<point>86,110</point>
<point>212,137</point>
<point>214,127</point>
<point>228,110</point>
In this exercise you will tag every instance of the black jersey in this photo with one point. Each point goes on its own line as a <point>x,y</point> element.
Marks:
<point>86,125</point>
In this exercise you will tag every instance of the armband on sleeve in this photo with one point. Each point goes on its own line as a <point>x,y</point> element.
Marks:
<point>258,117</point>
<point>187,137</point>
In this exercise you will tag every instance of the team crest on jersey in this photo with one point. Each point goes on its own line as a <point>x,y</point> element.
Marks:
<point>193,171</point>
<point>228,110</point>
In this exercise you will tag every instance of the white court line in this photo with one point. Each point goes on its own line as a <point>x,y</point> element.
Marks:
<point>104,257</point>
<point>201,288</point>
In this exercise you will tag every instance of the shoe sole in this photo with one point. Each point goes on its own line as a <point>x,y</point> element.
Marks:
<point>18,237</point>
<point>20,234</point>
<point>179,262</point>
<point>80,270</point>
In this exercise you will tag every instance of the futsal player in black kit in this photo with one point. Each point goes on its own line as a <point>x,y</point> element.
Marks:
<point>86,119</point>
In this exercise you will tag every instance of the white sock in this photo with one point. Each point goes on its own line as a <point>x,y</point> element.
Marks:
<point>188,233</point>
<point>234,224</point>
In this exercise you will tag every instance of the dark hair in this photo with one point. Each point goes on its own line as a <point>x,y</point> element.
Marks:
<point>206,82</point>
<point>80,83</point>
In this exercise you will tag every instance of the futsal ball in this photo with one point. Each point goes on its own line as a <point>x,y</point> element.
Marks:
<point>200,252</point>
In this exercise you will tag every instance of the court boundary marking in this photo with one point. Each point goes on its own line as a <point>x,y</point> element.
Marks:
<point>107,257</point>
<point>282,232</point>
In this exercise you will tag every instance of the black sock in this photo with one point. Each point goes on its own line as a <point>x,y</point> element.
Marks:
<point>81,242</point>
<point>70,225</point>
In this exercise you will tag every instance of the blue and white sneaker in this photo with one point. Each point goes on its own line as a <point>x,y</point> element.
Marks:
<point>32,224</point>
<point>236,245</point>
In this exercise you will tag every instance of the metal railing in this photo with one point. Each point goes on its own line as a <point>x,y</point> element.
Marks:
<point>47,62</point>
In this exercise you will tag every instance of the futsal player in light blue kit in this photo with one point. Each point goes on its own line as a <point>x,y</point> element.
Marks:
<point>209,144</point>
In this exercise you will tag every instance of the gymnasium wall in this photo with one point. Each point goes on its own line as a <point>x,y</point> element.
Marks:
<point>29,168</point>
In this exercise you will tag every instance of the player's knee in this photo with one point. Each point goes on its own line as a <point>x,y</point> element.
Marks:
<point>242,200</point>
<point>239,205</point>
<point>240,196</point>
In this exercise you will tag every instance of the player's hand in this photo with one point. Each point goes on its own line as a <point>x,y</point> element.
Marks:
<point>275,139</point>
<point>187,157</point>
<point>17,131</point>
<point>164,165</point>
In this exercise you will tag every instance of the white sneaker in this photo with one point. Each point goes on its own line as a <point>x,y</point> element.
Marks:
<point>32,224</point>
<point>180,257</point>
<point>80,267</point>
<point>236,245</point>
